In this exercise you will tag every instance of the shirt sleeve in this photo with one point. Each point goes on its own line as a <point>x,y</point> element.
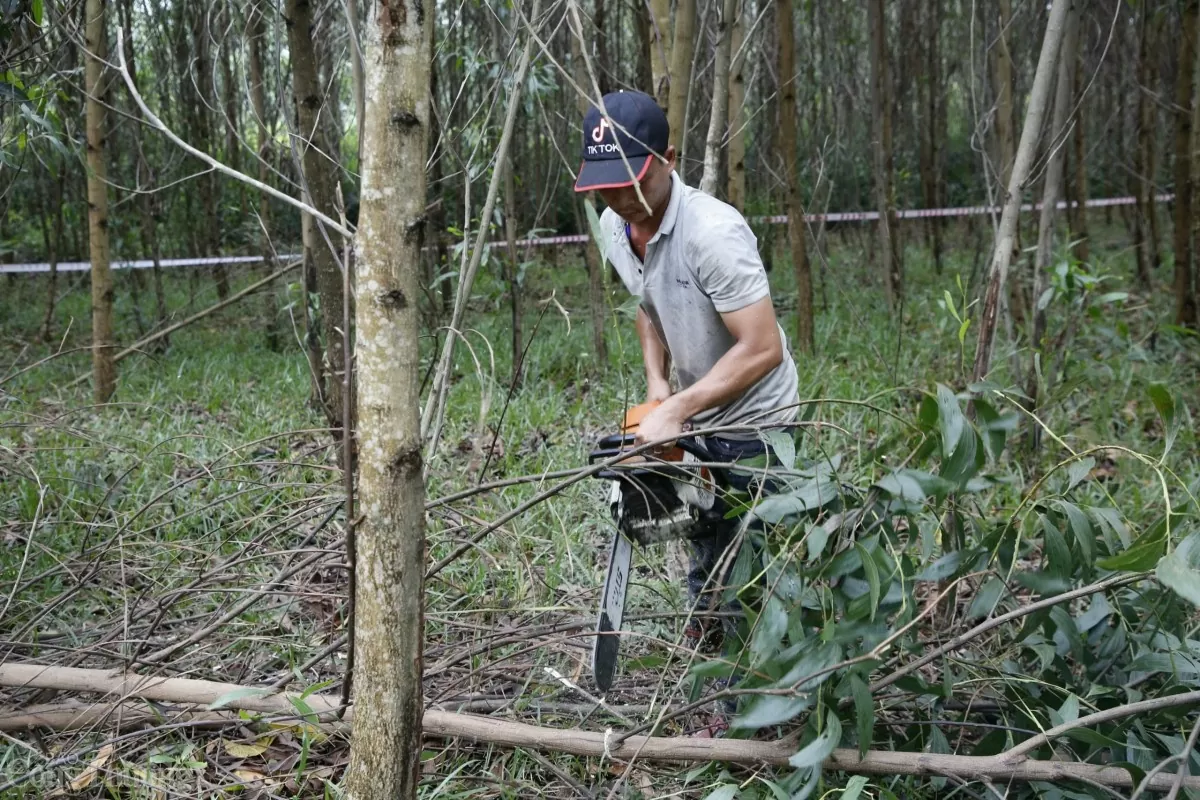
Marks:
<point>724,255</point>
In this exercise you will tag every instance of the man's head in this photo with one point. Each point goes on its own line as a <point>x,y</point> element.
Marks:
<point>636,128</point>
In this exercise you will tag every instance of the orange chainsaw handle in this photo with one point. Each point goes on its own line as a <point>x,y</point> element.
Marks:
<point>633,420</point>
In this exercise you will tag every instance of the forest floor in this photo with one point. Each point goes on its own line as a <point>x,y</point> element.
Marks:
<point>191,527</point>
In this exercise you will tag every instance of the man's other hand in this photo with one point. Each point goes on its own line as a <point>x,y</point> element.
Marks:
<point>657,391</point>
<point>661,423</point>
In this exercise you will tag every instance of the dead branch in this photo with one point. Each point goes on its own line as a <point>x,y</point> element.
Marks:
<point>444,724</point>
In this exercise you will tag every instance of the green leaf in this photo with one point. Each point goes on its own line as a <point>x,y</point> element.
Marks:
<point>772,625</point>
<point>1140,556</point>
<point>872,573</point>
<point>950,417</point>
<point>769,709</point>
<point>986,598</point>
<point>1161,397</point>
<point>1068,712</point>
<point>1078,470</point>
<point>234,695</point>
<point>35,11</point>
<point>1180,570</point>
<point>864,711</point>
<point>945,566</point>
<point>1058,555</point>
<point>815,659</point>
<point>784,447</point>
<point>854,787</point>
<point>1081,528</point>
<point>809,496</point>
<point>597,230</point>
<point>726,791</point>
<point>815,752</point>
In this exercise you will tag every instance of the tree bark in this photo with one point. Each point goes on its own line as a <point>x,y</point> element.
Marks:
<point>681,74</point>
<point>512,269</point>
<point>202,96</point>
<point>1078,217</point>
<point>591,255</point>
<point>256,33</point>
<point>104,372</point>
<point>54,249</point>
<point>1145,227</point>
<point>1002,254</point>
<point>881,101</point>
<point>1051,192</point>
<point>737,115</point>
<point>320,182</point>
<point>931,135</point>
<point>1185,297</point>
<point>389,602</point>
<point>1003,69</point>
<point>660,51</point>
<point>720,100</point>
<point>787,146</point>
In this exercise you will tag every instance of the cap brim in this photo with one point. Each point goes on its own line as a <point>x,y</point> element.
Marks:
<point>611,174</point>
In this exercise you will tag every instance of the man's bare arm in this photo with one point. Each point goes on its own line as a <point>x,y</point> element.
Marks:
<point>757,351</point>
<point>658,362</point>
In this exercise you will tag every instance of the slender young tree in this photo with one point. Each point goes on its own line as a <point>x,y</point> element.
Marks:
<point>318,159</point>
<point>385,753</point>
<point>737,113</point>
<point>720,100</point>
<point>256,35</point>
<point>681,74</point>
<point>1002,253</point>
<point>787,146</point>
<point>104,371</point>
<point>1051,192</point>
<point>660,51</point>
<point>1078,216</point>
<point>885,193</point>
<point>1185,297</point>
<point>1142,180</point>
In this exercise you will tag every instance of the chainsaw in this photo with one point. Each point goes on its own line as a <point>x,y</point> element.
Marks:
<point>652,500</point>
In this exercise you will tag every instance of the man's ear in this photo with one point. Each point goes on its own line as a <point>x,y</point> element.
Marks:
<point>668,156</point>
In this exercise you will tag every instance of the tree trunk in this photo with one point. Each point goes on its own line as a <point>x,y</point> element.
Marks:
<point>1002,63</point>
<point>1185,297</point>
<point>512,268</point>
<point>385,755</point>
<point>312,336</point>
<point>930,137</point>
<point>643,44</point>
<point>1078,219</point>
<point>660,51</point>
<point>1051,192</point>
<point>787,146</point>
<point>54,243</point>
<point>1039,97</point>
<point>881,100</point>
<point>720,100</point>
<point>681,74</point>
<point>737,116</point>
<point>203,94</point>
<point>104,373</point>
<point>320,179</point>
<point>595,269</point>
<point>1142,180</point>
<point>256,29</point>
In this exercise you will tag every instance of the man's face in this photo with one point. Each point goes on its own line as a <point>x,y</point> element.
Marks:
<point>656,188</point>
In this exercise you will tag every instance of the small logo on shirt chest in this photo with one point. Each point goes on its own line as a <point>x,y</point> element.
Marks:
<point>683,283</point>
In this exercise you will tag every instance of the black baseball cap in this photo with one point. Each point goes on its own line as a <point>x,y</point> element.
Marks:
<point>638,129</point>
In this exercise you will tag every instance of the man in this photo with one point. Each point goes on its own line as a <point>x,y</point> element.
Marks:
<point>705,304</point>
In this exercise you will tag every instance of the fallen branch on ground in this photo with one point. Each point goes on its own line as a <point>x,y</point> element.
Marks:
<point>445,724</point>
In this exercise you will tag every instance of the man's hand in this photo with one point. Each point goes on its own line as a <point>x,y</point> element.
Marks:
<point>663,422</point>
<point>658,391</point>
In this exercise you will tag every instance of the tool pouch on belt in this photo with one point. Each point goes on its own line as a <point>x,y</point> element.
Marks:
<point>660,497</point>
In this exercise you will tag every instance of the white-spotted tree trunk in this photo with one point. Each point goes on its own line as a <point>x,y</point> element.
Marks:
<point>104,370</point>
<point>389,624</point>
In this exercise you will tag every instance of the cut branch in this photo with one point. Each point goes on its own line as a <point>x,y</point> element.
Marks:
<point>445,724</point>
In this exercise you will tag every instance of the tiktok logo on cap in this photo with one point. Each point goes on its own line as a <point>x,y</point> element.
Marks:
<point>598,131</point>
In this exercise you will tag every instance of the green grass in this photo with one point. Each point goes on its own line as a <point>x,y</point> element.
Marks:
<point>208,472</point>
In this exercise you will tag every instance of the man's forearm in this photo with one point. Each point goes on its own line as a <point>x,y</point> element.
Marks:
<point>739,369</point>
<point>655,356</point>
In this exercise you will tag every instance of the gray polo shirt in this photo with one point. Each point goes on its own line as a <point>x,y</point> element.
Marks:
<point>703,262</point>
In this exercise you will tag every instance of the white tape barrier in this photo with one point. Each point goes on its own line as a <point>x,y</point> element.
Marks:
<point>548,241</point>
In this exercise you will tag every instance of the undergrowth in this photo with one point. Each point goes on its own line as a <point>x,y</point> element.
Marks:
<point>207,489</point>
